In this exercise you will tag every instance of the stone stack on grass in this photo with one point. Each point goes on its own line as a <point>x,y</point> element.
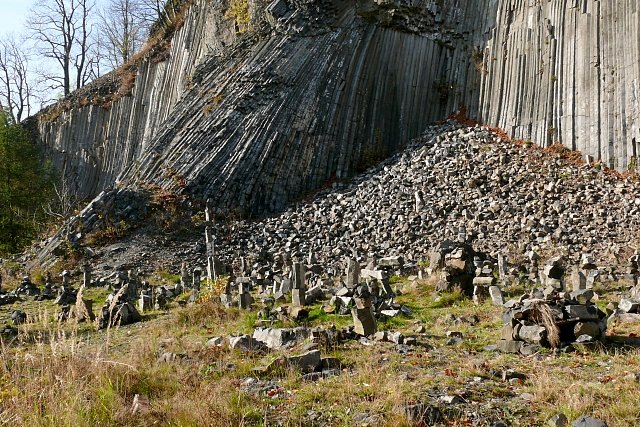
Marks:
<point>362,314</point>
<point>484,282</point>
<point>456,260</point>
<point>27,288</point>
<point>552,275</point>
<point>555,321</point>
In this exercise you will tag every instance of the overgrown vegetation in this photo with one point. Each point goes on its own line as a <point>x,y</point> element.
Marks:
<point>239,12</point>
<point>26,184</point>
<point>66,374</point>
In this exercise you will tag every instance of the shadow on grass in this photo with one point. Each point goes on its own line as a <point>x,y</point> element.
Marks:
<point>621,342</point>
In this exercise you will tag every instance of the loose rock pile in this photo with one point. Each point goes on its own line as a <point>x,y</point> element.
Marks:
<point>460,184</point>
<point>454,183</point>
<point>555,320</point>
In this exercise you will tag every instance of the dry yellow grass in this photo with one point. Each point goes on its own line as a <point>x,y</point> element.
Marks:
<point>68,374</point>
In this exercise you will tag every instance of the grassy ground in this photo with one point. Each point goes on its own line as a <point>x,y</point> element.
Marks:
<point>69,374</point>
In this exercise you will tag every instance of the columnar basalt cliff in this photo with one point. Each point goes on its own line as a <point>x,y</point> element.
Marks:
<point>95,140</point>
<point>251,115</point>
<point>566,71</point>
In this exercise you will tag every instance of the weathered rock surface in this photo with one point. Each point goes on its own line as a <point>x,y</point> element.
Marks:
<point>475,188</point>
<point>317,90</point>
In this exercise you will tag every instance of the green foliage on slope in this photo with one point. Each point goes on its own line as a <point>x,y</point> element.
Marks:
<point>25,186</point>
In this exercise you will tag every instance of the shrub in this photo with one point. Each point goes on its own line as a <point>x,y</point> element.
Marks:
<point>239,12</point>
<point>26,184</point>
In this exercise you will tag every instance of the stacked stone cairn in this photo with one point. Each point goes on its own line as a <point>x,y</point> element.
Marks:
<point>484,282</point>
<point>245,300</point>
<point>86,274</point>
<point>195,284</point>
<point>161,298</point>
<point>457,271</point>
<point>551,317</point>
<point>367,294</point>
<point>472,273</point>
<point>587,273</point>
<point>145,301</point>
<point>364,321</point>
<point>27,288</point>
<point>226,297</point>
<point>118,310</point>
<point>299,285</point>
<point>47,293</point>
<point>66,294</point>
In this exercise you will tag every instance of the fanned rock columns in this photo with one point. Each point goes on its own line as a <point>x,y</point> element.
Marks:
<point>320,89</point>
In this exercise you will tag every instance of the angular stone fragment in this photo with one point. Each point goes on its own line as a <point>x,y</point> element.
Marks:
<point>215,342</point>
<point>144,303</point>
<point>533,334</point>
<point>380,336</point>
<point>507,332</point>
<point>484,281</point>
<point>298,313</point>
<point>496,295</point>
<point>298,297</point>
<point>307,362</point>
<point>313,294</point>
<point>582,312</point>
<point>509,346</point>
<point>628,305</point>
<point>582,296</point>
<point>353,273</point>
<point>274,338</point>
<point>529,349</point>
<point>393,262</point>
<point>579,280</point>
<point>390,313</point>
<point>558,420</point>
<point>587,328</point>
<point>363,321</point>
<point>585,421</point>
<point>245,343</point>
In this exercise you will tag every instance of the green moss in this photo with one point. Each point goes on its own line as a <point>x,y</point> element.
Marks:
<point>448,299</point>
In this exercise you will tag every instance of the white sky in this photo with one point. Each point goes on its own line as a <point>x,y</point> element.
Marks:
<point>13,14</point>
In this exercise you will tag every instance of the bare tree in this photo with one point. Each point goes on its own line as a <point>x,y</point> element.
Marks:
<point>123,30</point>
<point>152,10</point>
<point>160,14</point>
<point>63,31</point>
<point>16,91</point>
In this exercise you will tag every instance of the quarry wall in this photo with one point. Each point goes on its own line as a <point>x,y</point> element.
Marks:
<point>317,90</point>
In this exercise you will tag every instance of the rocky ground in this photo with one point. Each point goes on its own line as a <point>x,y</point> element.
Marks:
<point>354,307</point>
<point>503,197</point>
<point>454,182</point>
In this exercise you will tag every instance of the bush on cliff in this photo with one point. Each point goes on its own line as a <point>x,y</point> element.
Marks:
<point>26,184</point>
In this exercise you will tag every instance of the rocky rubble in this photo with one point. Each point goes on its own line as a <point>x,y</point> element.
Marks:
<point>455,183</point>
<point>452,184</point>
<point>554,320</point>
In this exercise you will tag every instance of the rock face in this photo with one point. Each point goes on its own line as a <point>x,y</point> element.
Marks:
<point>494,194</point>
<point>321,89</point>
<point>565,71</point>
